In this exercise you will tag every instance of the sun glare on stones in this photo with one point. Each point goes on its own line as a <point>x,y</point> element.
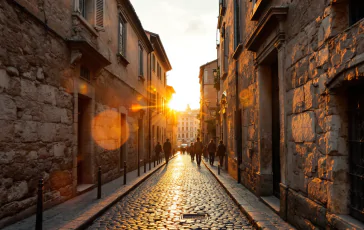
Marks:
<point>110,131</point>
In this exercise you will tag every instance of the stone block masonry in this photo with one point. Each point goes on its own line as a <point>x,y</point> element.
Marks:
<point>36,120</point>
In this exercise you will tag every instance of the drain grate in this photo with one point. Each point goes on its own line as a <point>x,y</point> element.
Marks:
<point>194,216</point>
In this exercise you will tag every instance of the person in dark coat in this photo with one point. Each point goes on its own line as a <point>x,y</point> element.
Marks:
<point>221,151</point>
<point>198,150</point>
<point>167,148</point>
<point>192,152</point>
<point>158,150</point>
<point>211,148</point>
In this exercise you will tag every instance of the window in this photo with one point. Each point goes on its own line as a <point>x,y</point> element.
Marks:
<point>82,8</point>
<point>141,57</point>
<point>99,13</point>
<point>179,135</point>
<point>186,135</point>
<point>186,128</point>
<point>85,73</point>
<point>356,148</point>
<point>356,8</point>
<point>226,51</point>
<point>183,123</point>
<point>92,11</point>
<point>165,79</point>
<point>206,77</point>
<point>183,136</point>
<point>122,36</point>
<point>153,62</point>
<point>236,24</point>
<point>183,128</point>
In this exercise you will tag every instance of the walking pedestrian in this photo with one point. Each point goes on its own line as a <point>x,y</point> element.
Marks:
<point>158,150</point>
<point>221,150</point>
<point>192,152</point>
<point>167,148</point>
<point>198,148</point>
<point>211,148</point>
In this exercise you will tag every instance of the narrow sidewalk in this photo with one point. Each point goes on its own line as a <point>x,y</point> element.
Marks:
<point>261,216</point>
<point>80,211</point>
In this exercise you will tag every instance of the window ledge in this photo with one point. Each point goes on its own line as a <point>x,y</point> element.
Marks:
<point>338,221</point>
<point>141,78</point>
<point>122,59</point>
<point>86,23</point>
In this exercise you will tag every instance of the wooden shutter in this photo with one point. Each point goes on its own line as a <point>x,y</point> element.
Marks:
<point>100,13</point>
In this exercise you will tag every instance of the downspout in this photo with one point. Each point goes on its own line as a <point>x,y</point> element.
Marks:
<point>237,120</point>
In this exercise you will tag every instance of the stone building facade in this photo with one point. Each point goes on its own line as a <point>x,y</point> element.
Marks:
<point>159,67</point>
<point>188,126</point>
<point>291,106</point>
<point>208,101</point>
<point>74,96</point>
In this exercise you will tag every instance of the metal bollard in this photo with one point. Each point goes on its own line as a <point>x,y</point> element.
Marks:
<point>124,172</point>
<point>218,169</point>
<point>150,163</point>
<point>145,166</point>
<point>39,215</point>
<point>99,183</point>
<point>138,167</point>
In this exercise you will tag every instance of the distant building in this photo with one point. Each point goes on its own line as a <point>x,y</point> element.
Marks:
<point>208,103</point>
<point>188,126</point>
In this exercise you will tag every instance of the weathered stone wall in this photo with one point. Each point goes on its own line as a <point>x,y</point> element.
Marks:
<point>322,55</point>
<point>36,138</point>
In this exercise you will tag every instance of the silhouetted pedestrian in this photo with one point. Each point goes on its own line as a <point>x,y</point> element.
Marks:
<point>211,148</point>
<point>221,151</point>
<point>192,152</point>
<point>158,150</point>
<point>198,148</point>
<point>167,148</point>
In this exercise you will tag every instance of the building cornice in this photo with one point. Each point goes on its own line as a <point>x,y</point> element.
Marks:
<point>274,15</point>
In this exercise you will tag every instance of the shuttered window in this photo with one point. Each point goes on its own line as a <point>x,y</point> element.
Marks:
<point>100,13</point>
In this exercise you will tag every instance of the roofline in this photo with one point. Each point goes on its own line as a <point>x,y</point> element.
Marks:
<point>129,9</point>
<point>163,51</point>
<point>201,67</point>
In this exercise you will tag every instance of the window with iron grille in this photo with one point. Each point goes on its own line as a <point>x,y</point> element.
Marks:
<point>356,149</point>
<point>85,73</point>
<point>356,11</point>
<point>122,36</point>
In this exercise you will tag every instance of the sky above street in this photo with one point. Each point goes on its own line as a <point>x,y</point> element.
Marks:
<point>188,32</point>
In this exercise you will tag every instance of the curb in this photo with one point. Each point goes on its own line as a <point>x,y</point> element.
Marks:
<point>250,217</point>
<point>88,217</point>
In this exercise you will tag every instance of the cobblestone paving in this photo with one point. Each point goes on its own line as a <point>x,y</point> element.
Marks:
<point>180,188</point>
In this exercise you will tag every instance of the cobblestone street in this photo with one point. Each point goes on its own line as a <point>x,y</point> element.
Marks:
<point>179,188</point>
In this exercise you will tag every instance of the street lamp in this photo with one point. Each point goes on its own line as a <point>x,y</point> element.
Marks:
<point>214,72</point>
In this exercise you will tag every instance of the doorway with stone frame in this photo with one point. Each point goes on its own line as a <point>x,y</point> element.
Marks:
<point>84,138</point>
<point>269,131</point>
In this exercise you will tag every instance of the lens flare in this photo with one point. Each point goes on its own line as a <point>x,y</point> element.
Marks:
<point>110,130</point>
